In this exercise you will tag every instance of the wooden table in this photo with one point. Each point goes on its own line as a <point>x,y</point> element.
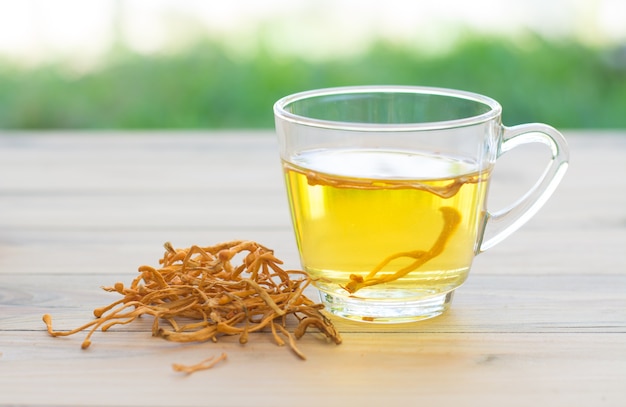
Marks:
<point>541,320</point>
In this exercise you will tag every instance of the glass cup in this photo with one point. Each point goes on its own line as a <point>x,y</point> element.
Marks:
<point>387,188</point>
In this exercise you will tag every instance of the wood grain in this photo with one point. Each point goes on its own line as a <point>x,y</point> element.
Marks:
<point>540,321</point>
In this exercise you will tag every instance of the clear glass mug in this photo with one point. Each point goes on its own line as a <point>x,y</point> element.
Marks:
<point>387,188</point>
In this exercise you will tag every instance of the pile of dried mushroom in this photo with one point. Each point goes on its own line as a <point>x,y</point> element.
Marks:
<point>200,293</point>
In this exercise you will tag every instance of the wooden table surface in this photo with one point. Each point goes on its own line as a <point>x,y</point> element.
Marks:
<point>541,320</point>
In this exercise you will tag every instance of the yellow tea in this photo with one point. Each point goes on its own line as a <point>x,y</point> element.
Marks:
<point>385,224</point>
<point>387,188</point>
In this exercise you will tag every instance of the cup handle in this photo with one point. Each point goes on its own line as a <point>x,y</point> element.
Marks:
<point>501,224</point>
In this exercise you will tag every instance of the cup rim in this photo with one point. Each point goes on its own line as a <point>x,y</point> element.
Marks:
<point>281,112</point>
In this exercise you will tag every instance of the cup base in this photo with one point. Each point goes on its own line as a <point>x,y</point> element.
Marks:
<point>386,311</point>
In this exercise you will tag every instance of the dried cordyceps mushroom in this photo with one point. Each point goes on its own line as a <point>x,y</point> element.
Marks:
<point>199,294</point>
<point>451,220</point>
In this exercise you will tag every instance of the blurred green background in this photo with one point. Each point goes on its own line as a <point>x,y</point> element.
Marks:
<point>204,84</point>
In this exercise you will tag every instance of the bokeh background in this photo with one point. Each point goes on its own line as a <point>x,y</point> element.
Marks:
<point>203,64</point>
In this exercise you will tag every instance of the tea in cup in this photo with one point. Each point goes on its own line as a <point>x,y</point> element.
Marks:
<point>388,187</point>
